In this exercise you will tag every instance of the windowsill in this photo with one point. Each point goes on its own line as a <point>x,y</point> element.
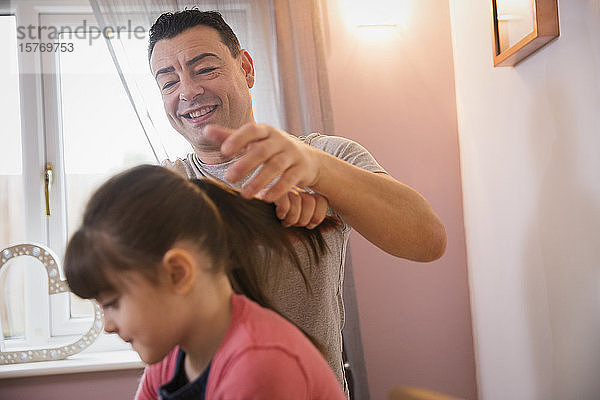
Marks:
<point>82,362</point>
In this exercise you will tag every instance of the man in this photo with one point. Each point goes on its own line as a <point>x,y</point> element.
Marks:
<point>205,79</point>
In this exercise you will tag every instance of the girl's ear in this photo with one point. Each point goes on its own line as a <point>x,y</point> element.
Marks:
<point>180,268</point>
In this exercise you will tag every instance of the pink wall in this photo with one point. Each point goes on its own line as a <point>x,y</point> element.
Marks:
<point>114,385</point>
<point>394,93</point>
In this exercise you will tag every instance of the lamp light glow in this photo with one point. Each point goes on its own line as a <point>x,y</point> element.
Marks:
<point>375,13</point>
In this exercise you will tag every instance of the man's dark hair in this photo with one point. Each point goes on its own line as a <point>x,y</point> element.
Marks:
<point>171,24</point>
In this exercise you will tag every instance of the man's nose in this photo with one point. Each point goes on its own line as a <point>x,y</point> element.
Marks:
<point>189,90</point>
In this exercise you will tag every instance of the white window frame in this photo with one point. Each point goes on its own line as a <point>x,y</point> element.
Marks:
<point>61,321</point>
<point>37,328</point>
<point>47,318</point>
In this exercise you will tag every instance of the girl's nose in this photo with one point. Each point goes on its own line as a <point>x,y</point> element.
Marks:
<point>109,325</point>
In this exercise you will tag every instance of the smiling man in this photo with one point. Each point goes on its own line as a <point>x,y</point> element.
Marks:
<point>205,79</point>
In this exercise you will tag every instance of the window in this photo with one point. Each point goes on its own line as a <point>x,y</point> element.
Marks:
<point>66,111</point>
<point>89,133</point>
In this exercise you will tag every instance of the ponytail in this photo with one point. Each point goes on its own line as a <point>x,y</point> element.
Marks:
<point>258,241</point>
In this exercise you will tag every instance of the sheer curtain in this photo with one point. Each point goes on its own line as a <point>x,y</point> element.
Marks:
<point>302,69</point>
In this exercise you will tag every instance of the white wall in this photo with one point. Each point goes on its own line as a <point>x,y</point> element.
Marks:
<point>530,160</point>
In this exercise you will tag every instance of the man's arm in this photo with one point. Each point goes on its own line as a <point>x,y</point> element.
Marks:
<point>389,214</point>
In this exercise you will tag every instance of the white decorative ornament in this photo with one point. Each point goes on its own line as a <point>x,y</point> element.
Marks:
<point>55,286</point>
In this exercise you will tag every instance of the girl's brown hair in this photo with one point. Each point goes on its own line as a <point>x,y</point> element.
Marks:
<point>134,218</point>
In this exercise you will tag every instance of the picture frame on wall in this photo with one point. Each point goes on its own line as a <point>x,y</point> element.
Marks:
<point>522,27</point>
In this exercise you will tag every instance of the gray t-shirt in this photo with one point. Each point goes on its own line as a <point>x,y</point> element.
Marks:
<point>320,313</point>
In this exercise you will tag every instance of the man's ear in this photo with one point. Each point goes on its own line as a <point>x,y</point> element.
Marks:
<point>180,269</point>
<point>248,67</point>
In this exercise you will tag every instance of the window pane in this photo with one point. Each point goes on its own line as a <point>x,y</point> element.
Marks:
<point>101,133</point>
<point>12,213</point>
<point>11,289</point>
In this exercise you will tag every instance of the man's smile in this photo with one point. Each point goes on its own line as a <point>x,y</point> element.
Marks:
<point>198,114</point>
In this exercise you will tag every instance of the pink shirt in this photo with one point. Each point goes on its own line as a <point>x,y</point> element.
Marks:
<point>262,356</point>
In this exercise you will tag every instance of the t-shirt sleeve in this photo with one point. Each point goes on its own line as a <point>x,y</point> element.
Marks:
<point>263,373</point>
<point>344,149</point>
<point>179,166</point>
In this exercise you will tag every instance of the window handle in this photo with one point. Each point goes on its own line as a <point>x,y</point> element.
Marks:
<point>48,178</point>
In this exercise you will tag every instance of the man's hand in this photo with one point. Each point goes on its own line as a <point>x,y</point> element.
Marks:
<point>283,160</point>
<point>388,213</point>
<point>301,208</point>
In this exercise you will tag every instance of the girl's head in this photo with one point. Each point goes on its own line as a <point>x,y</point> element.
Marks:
<point>136,221</point>
<point>132,220</point>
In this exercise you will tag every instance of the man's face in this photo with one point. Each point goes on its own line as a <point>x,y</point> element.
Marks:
<point>201,83</point>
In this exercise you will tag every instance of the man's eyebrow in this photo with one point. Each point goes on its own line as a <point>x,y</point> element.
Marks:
<point>188,63</point>
<point>200,57</point>
<point>164,71</point>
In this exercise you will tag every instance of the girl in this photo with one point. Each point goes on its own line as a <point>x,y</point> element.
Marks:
<point>161,254</point>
